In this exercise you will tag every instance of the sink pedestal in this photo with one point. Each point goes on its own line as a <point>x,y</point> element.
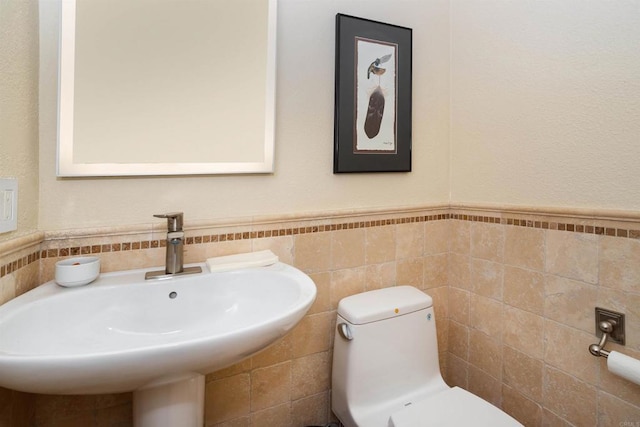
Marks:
<point>170,403</point>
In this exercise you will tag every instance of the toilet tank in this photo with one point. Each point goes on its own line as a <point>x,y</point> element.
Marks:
<point>392,358</point>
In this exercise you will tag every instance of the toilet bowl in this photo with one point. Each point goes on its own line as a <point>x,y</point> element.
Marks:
<point>386,371</point>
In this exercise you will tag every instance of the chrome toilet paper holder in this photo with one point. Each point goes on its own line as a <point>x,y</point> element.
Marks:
<point>610,327</point>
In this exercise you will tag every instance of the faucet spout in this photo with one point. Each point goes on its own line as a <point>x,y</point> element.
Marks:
<point>175,252</point>
<point>174,264</point>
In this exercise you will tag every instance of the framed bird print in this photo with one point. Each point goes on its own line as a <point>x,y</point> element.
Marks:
<point>372,128</point>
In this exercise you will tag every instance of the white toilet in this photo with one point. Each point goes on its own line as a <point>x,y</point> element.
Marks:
<point>386,371</point>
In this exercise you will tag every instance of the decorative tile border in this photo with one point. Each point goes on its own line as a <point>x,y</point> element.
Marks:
<point>576,226</point>
<point>551,225</point>
<point>226,237</point>
<point>97,249</point>
<point>13,266</point>
<point>16,265</point>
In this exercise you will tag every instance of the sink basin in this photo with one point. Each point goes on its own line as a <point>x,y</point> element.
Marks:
<point>122,333</point>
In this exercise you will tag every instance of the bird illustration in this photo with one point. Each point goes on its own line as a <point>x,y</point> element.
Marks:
<point>374,67</point>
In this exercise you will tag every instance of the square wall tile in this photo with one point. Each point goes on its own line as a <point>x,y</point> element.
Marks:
<point>437,237</point>
<point>459,305</point>
<point>525,410</point>
<point>523,373</point>
<point>619,266</point>
<point>270,386</point>
<point>311,375</point>
<point>565,348</point>
<point>233,370</point>
<point>570,302</point>
<point>275,416</point>
<point>572,255</point>
<point>410,271</point>
<point>345,283</point>
<point>524,247</point>
<point>227,398</point>
<point>457,371</point>
<point>459,271</point>
<point>312,252</point>
<point>613,412</point>
<point>460,237</point>
<point>459,340</point>
<point>323,292</point>
<point>436,271</point>
<point>487,278</point>
<point>347,248</point>
<point>569,398</point>
<point>524,331</point>
<point>380,244</point>
<point>485,314</point>
<point>378,276</point>
<point>312,334</point>
<point>524,289</point>
<point>485,353</point>
<point>487,241</point>
<point>440,298</point>
<point>409,240</point>
<point>312,410</point>
<point>485,386</point>
<point>278,352</point>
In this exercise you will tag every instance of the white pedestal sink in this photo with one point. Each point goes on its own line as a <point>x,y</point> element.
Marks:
<point>156,338</point>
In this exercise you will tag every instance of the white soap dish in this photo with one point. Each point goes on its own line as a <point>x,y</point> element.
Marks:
<point>77,271</point>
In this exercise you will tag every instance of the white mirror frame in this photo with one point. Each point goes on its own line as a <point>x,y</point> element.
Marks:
<point>66,167</point>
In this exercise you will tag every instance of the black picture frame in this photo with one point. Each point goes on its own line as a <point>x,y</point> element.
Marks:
<point>372,127</point>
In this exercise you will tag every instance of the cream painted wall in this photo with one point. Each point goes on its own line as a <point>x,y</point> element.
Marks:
<point>545,106</point>
<point>542,99</point>
<point>303,180</point>
<point>19,107</point>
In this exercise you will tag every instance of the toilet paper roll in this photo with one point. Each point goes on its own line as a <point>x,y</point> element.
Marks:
<point>624,366</point>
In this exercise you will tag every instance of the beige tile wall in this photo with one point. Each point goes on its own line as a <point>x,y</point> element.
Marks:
<point>521,304</point>
<point>514,295</point>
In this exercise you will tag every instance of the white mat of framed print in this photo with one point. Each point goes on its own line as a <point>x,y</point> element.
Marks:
<point>373,96</point>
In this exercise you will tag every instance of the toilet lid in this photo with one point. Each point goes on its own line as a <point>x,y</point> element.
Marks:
<point>452,407</point>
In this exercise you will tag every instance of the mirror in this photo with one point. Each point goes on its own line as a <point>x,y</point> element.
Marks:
<point>166,87</point>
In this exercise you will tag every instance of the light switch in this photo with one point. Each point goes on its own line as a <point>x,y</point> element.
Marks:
<point>8,204</point>
<point>7,212</point>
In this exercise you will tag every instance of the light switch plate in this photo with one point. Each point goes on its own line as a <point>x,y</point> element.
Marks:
<point>8,204</point>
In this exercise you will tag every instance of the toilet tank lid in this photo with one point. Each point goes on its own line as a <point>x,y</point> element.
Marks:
<point>382,304</point>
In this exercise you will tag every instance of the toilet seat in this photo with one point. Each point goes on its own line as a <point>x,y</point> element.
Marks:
<point>449,408</point>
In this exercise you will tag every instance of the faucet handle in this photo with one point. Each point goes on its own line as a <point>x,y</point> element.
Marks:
<point>174,220</point>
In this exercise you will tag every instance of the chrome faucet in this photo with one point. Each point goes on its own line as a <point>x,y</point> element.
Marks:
<point>175,242</point>
<point>175,249</point>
